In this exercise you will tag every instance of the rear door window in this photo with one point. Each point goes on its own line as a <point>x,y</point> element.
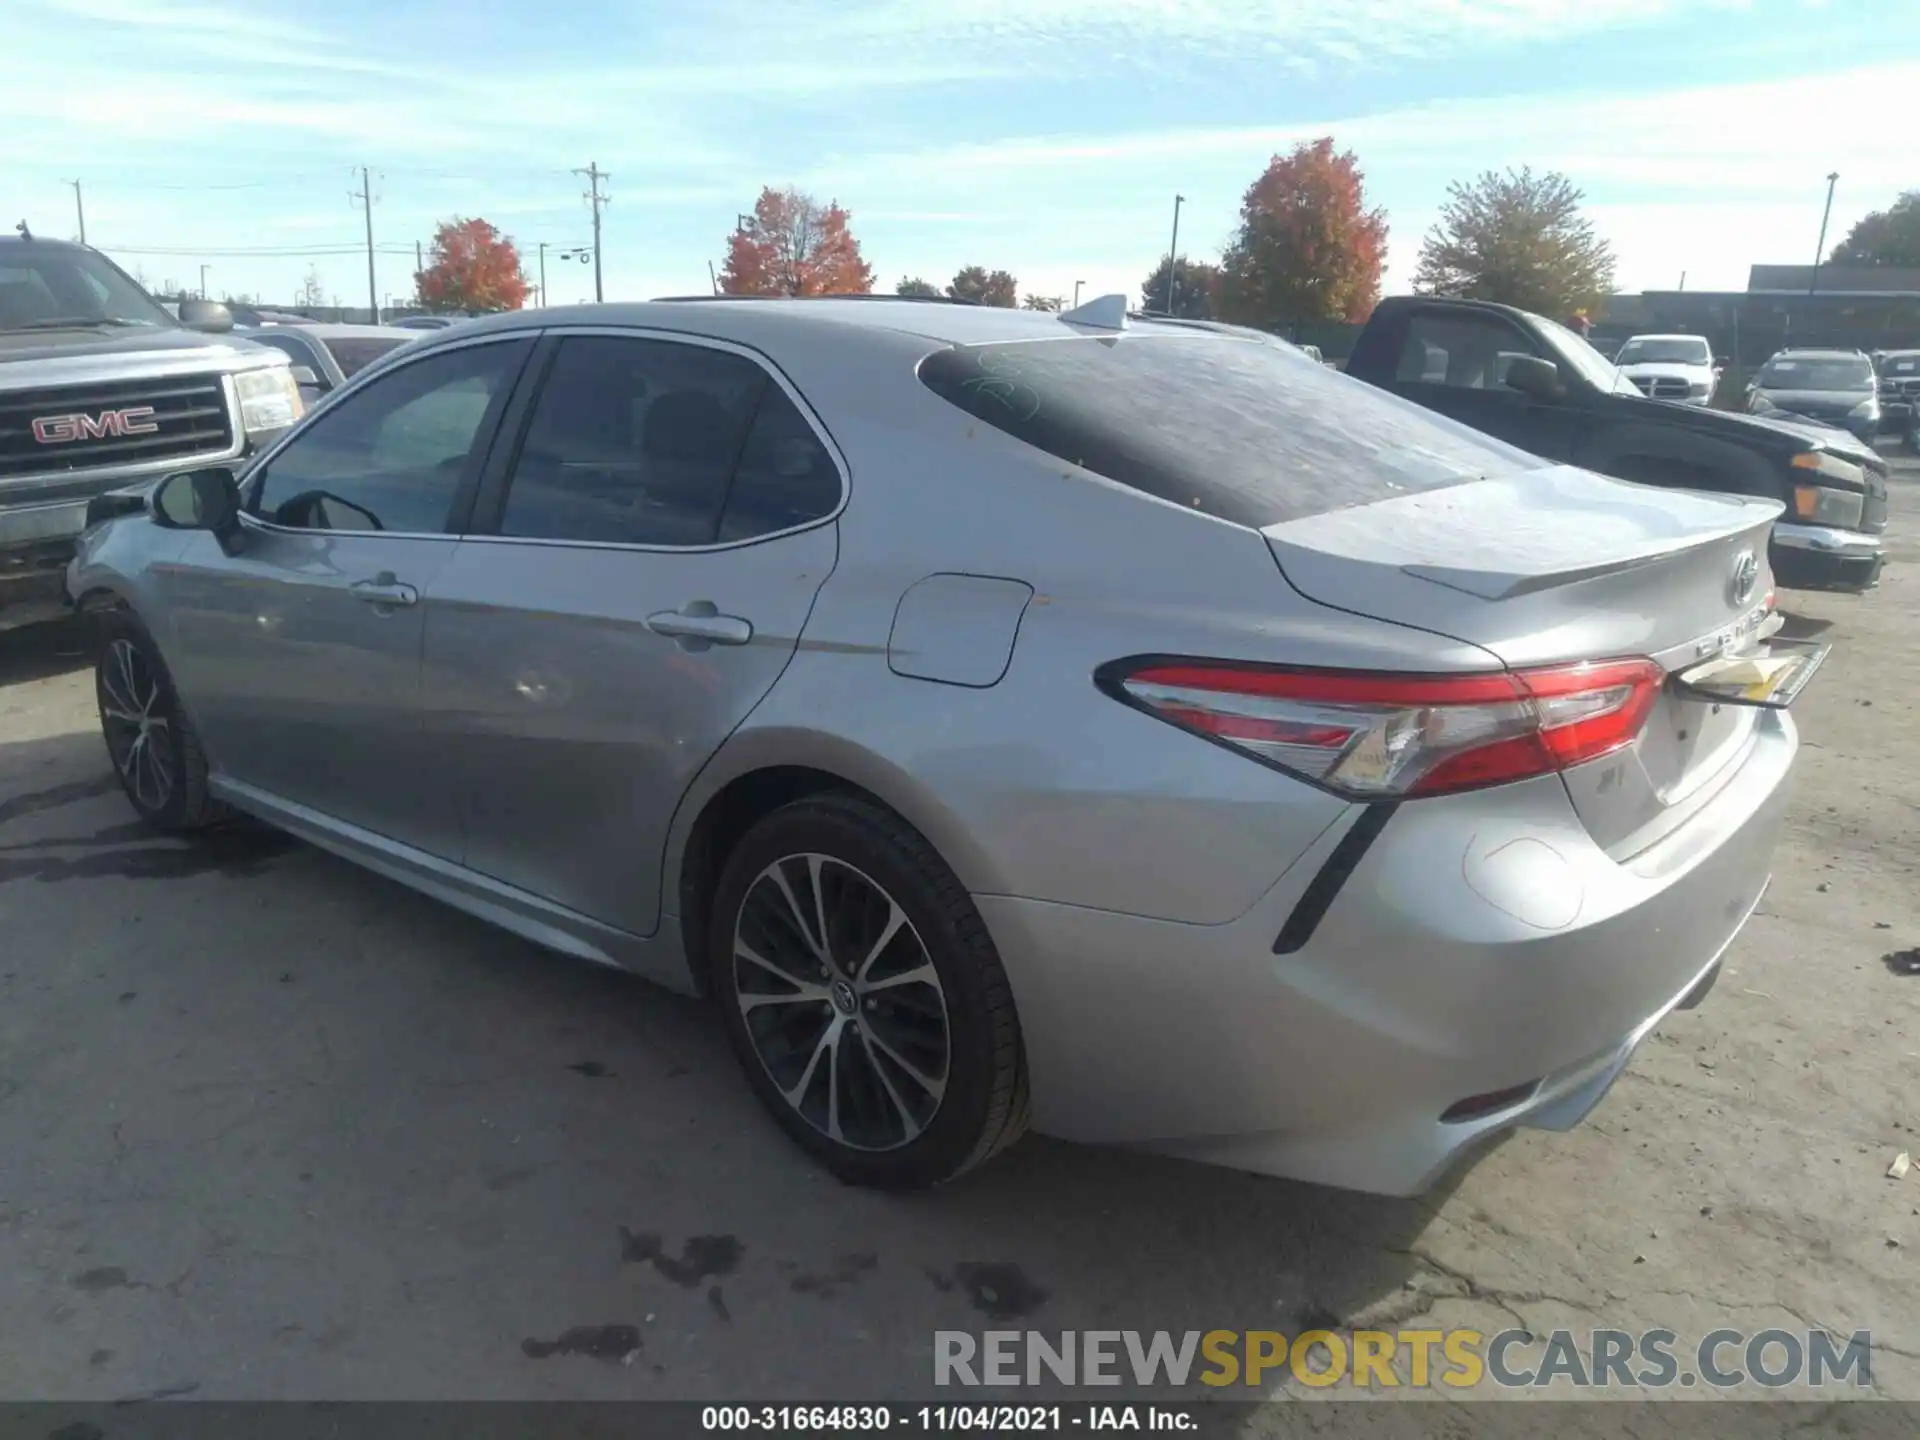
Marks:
<point>1242,430</point>
<point>633,442</point>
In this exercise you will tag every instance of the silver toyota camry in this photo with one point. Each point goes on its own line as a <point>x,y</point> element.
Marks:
<point>1134,731</point>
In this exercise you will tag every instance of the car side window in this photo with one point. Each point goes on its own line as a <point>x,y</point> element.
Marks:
<point>1464,352</point>
<point>392,455</point>
<point>785,477</point>
<point>633,442</point>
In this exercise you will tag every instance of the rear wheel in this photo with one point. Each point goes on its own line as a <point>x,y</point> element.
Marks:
<point>149,739</point>
<point>863,996</point>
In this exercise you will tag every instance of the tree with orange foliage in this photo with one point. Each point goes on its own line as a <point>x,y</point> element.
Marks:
<point>1308,247</point>
<point>793,245</point>
<point>474,268</point>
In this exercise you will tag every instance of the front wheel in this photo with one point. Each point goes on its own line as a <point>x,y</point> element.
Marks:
<point>149,738</point>
<point>863,996</point>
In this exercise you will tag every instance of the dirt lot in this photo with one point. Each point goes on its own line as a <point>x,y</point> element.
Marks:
<point>273,1127</point>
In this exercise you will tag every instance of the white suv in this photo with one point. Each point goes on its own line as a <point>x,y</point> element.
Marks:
<point>1670,367</point>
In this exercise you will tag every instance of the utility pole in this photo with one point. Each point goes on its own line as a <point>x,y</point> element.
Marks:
<point>713,279</point>
<point>594,176</point>
<point>1076,293</point>
<point>1173,250</point>
<point>79,210</point>
<point>203,280</point>
<point>365,196</point>
<point>543,274</point>
<point>1813,281</point>
<point>1683,279</point>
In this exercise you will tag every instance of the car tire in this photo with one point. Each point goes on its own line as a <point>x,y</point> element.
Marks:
<point>149,738</point>
<point>891,1052</point>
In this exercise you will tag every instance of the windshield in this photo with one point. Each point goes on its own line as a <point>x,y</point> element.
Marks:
<point>1902,365</point>
<point>1238,429</point>
<point>47,287</point>
<point>1837,372</point>
<point>1679,351</point>
<point>1589,362</point>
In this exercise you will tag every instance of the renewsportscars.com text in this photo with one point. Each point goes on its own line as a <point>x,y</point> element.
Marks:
<point>1416,1359</point>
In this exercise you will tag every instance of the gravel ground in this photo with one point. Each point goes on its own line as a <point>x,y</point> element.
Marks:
<point>271,1127</point>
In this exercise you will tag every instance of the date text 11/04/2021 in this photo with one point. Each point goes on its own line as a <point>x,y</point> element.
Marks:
<point>947,1419</point>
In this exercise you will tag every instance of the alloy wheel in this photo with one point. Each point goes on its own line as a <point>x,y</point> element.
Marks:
<point>138,732</point>
<point>842,1003</point>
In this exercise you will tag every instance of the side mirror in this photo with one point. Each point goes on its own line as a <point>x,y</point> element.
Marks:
<point>209,316</point>
<point>200,500</point>
<point>1535,378</point>
<point>304,377</point>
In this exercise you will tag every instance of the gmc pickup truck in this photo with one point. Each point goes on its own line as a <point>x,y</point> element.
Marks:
<point>102,390</point>
<point>1539,386</point>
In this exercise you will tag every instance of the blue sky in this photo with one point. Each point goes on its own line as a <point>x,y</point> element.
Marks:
<point>1047,137</point>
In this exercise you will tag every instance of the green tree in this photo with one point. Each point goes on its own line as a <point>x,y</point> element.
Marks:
<point>1049,303</point>
<point>984,287</point>
<point>1519,239</point>
<point>917,289</point>
<point>1308,248</point>
<point>1888,237</point>
<point>1196,289</point>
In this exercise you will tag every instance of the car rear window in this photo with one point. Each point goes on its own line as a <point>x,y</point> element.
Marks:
<point>355,353</point>
<point>1239,429</point>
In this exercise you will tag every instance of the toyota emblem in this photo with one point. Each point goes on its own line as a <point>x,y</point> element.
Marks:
<point>1745,577</point>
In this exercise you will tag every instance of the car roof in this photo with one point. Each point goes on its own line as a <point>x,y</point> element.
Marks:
<point>46,242</point>
<point>751,321</point>
<point>1820,352</point>
<point>1677,335</point>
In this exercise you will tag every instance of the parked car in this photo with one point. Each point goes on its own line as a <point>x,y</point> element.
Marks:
<point>1679,368</point>
<point>1831,387</point>
<point>426,322</point>
<point>102,387</point>
<point>1536,384</point>
<point>325,357</point>
<point>1898,373</point>
<point>1141,730</point>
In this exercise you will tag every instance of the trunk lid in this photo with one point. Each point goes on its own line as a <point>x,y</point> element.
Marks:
<point>1555,565</point>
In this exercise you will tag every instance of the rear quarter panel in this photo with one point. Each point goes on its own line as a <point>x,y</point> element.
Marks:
<point>1041,786</point>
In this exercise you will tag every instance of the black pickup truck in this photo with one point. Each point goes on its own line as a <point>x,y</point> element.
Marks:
<point>1537,385</point>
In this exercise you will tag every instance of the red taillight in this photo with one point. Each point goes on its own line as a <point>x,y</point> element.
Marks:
<point>1378,735</point>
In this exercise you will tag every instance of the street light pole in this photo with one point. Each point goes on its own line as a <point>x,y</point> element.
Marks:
<point>1076,293</point>
<point>543,274</point>
<point>1813,281</point>
<point>1173,250</point>
<point>203,280</point>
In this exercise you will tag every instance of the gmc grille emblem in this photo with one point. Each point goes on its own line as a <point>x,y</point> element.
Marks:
<point>62,429</point>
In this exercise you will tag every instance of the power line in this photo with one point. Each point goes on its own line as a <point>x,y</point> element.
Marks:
<point>256,252</point>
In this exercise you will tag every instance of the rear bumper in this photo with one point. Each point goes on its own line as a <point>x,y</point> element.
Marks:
<point>1819,557</point>
<point>1476,947</point>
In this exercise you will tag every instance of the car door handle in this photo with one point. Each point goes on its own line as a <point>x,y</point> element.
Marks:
<point>385,590</point>
<point>698,624</point>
